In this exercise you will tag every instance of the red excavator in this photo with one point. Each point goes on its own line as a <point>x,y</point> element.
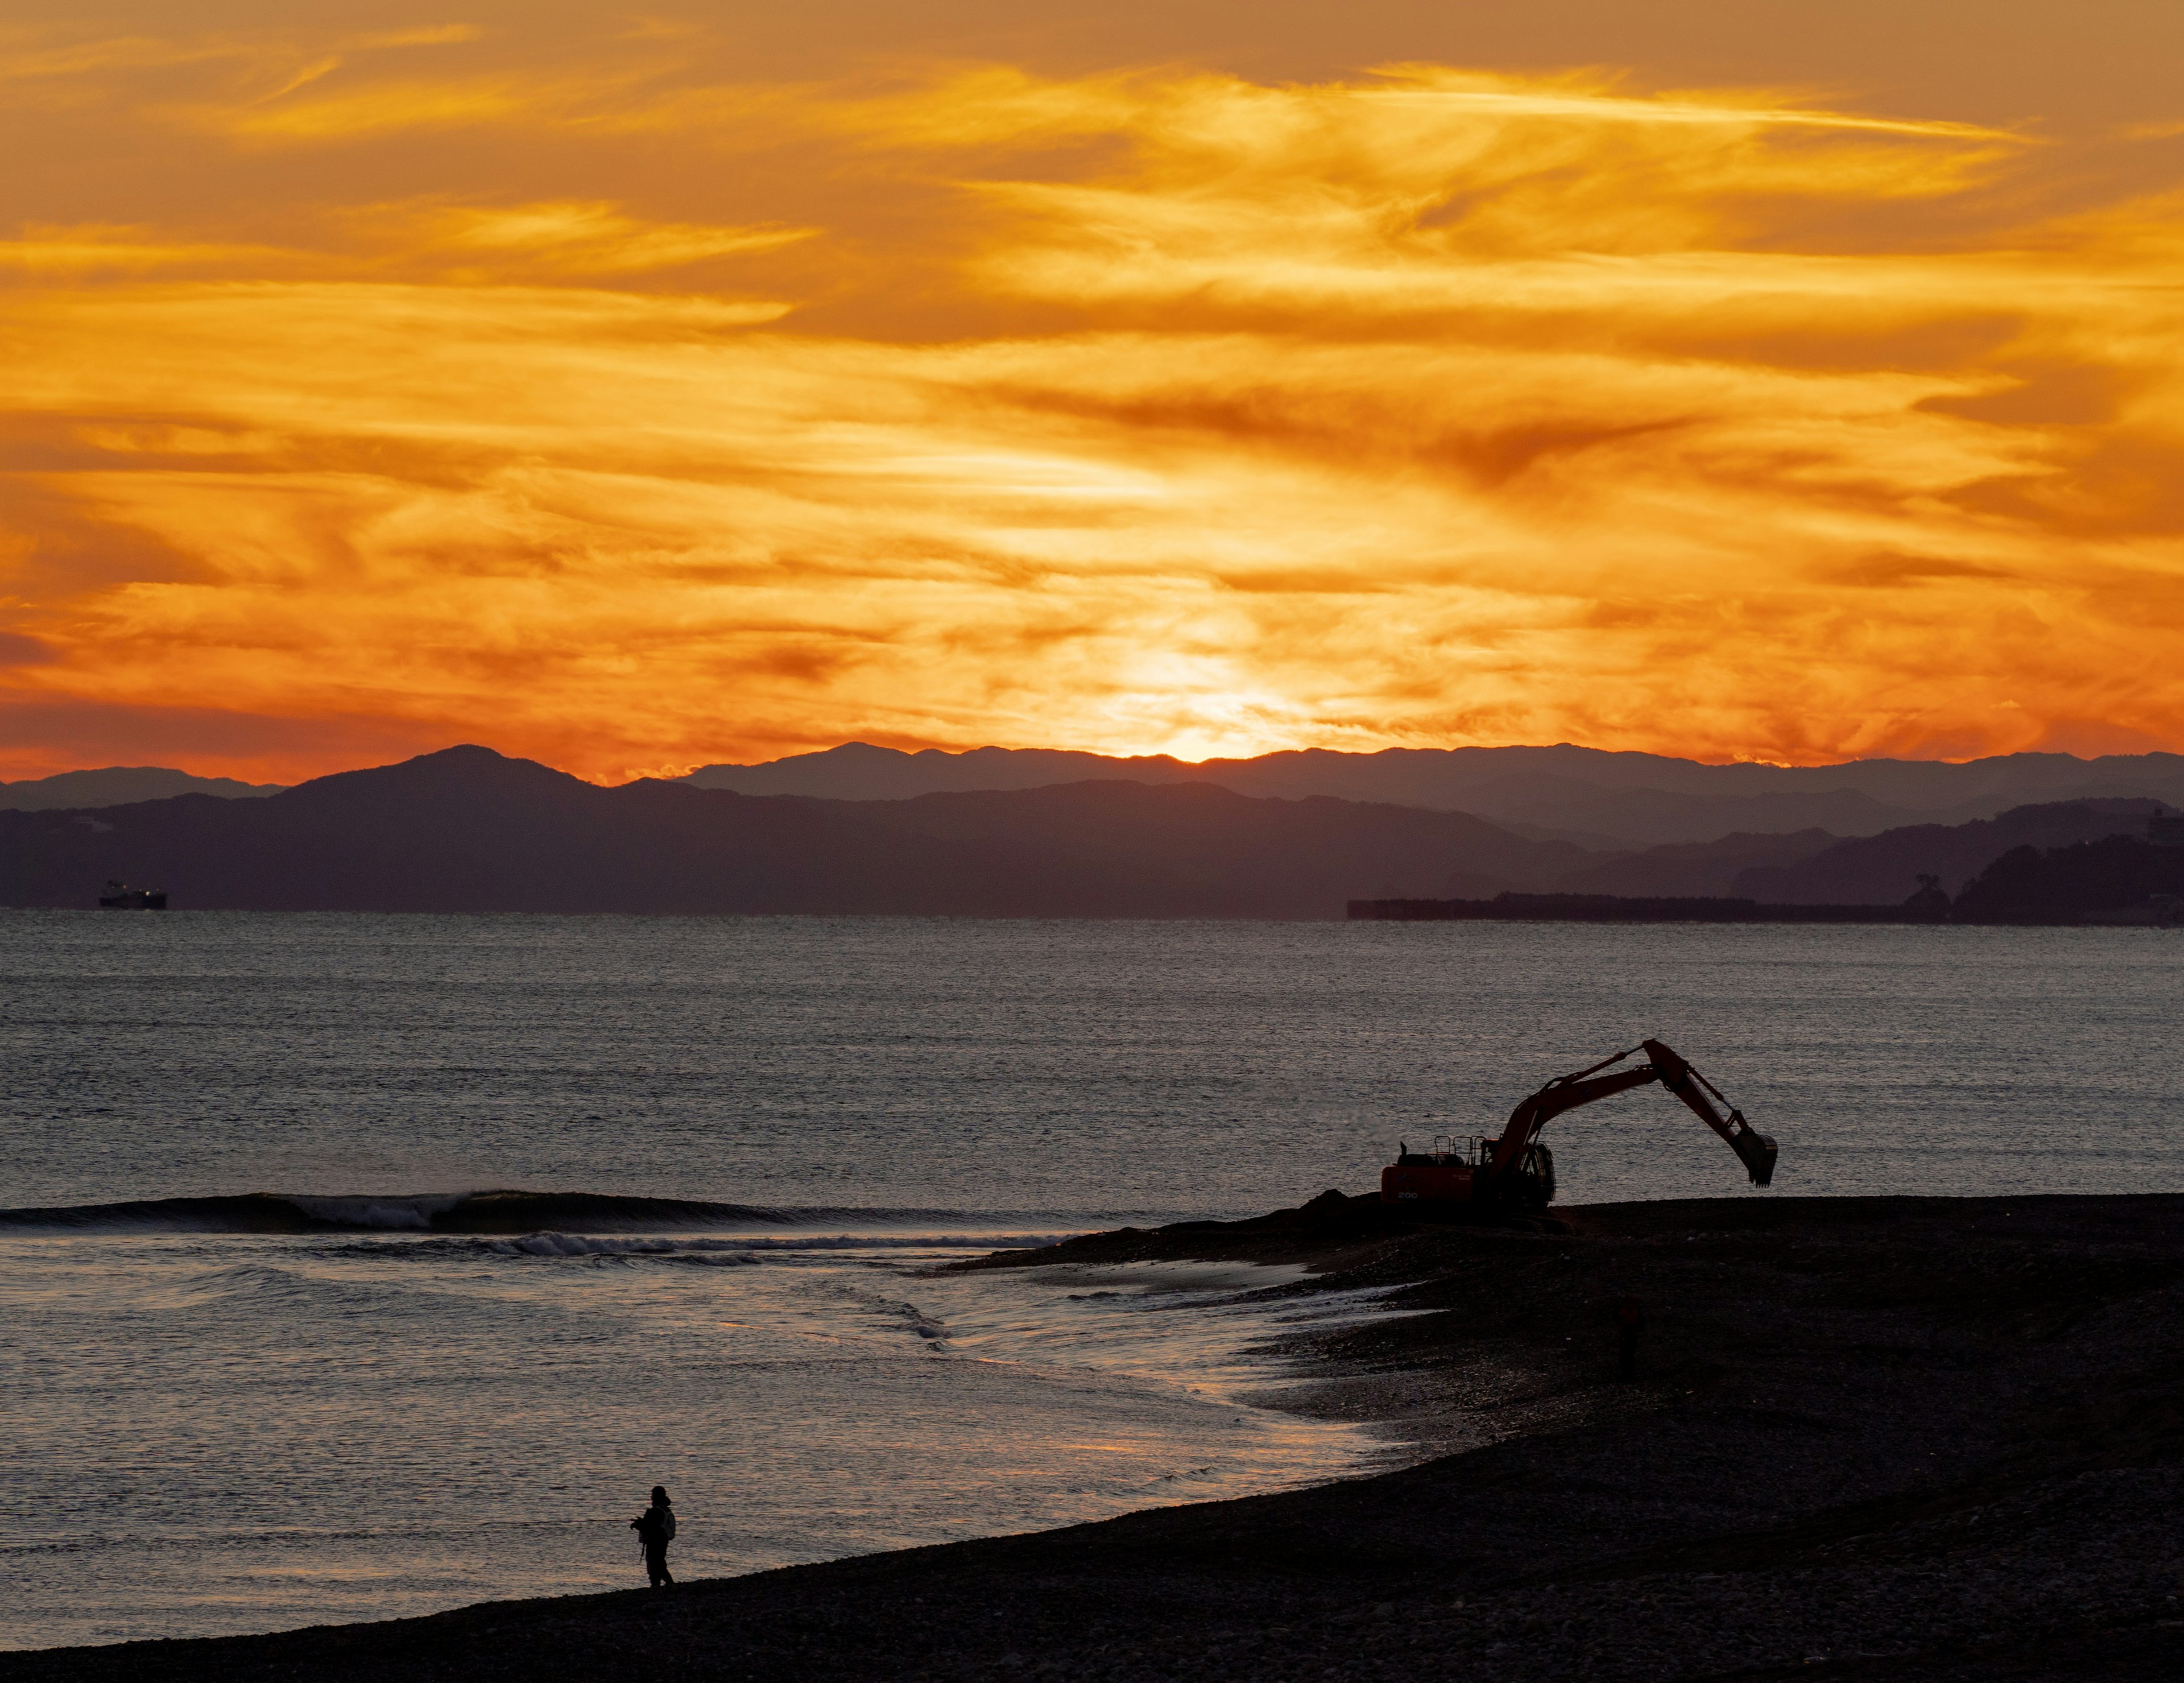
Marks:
<point>1516,1171</point>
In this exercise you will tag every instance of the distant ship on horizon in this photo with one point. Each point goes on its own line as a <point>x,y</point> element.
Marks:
<point>121,897</point>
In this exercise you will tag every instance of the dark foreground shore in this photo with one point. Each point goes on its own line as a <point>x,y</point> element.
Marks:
<point>1900,1439</point>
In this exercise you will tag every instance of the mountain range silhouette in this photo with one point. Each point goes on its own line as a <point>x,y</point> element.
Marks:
<point>469,830</point>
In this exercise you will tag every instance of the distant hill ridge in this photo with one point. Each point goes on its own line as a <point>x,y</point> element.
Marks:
<point>2117,879</point>
<point>119,785</point>
<point>1880,869</point>
<point>1595,798</point>
<point>469,830</point>
<point>1609,802</point>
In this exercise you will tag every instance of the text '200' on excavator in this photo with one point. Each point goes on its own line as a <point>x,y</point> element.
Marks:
<point>1517,1171</point>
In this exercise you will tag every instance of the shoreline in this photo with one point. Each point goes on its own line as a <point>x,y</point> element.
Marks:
<point>1870,1437</point>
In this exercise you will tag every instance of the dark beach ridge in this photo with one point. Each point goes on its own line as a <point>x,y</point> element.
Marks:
<point>1897,1438</point>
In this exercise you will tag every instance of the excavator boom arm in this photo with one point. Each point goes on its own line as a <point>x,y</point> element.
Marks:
<point>1565,1093</point>
<point>1684,1081</point>
<point>1755,1151</point>
<point>1664,1065</point>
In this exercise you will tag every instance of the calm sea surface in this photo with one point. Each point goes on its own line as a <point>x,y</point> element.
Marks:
<point>226,1412</point>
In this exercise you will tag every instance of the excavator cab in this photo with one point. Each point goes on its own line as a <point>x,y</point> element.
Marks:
<point>1460,1172</point>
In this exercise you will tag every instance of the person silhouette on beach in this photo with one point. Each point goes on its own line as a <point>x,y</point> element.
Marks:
<point>655,1530</point>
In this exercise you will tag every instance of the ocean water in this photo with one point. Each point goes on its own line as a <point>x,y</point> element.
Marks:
<point>270,1356</point>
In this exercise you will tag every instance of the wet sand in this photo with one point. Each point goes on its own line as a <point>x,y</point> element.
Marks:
<point>1870,1437</point>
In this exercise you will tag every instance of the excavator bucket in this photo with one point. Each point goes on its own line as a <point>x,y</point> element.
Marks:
<point>1758,1153</point>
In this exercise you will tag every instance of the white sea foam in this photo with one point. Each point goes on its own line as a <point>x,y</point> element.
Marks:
<point>746,1250</point>
<point>584,1245</point>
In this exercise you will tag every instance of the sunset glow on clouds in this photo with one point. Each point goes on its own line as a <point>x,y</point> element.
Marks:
<point>583,396</point>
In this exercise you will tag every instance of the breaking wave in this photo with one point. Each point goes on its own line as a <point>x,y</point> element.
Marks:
<point>510,1213</point>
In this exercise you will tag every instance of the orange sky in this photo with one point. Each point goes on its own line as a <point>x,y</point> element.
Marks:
<point>637,389</point>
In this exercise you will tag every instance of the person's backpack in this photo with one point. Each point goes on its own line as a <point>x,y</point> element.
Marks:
<point>666,1525</point>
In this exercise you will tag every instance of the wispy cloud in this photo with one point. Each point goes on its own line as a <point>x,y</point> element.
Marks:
<point>1136,411</point>
<point>570,237</point>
